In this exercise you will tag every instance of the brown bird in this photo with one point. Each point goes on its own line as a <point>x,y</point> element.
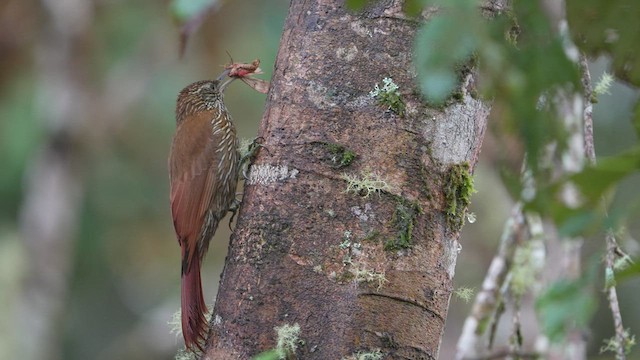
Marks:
<point>203,170</point>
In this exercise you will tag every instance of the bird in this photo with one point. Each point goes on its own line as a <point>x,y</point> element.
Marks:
<point>203,172</point>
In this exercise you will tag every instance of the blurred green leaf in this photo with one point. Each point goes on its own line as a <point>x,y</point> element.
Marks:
<point>593,181</point>
<point>567,304</point>
<point>412,7</point>
<point>523,70</point>
<point>184,10</point>
<point>574,222</point>
<point>632,271</point>
<point>609,27</point>
<point>636,118</point>
<point>267,355</point>
<point>20,134</point>
<point>442,44</point>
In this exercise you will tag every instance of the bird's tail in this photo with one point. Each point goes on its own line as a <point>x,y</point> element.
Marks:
<point>194,323</point>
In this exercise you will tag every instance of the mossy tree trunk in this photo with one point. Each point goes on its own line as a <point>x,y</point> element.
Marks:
<point>355,272</point>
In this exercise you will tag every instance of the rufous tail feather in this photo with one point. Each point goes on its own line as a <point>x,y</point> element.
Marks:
<point>194,322</point>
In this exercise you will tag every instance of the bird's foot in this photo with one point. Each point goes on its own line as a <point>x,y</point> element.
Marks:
<point>248,157</point>
<point>235,205</point>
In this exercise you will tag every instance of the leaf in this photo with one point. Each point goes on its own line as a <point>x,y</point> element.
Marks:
<point>632,271</point>
<point>446,40</point>
<point>609,27</point>
<point>185,10</point>
<point>567,305</point>
<point>636,118</point>
<point>593,184</point>
<point>593,181</point>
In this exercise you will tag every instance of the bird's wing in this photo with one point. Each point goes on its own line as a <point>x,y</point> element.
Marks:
<point>192,170</point>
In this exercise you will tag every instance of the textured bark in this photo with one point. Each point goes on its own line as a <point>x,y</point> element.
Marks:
<point>285,263</point>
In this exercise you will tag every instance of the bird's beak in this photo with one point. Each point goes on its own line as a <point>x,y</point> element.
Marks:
<point>225,83</point>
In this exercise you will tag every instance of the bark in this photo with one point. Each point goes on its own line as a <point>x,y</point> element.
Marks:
<point>304,250</point>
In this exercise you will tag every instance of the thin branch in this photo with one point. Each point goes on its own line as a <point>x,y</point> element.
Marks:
<point>504,354</point>
<point>612,246</point>
<point>487,307</point>
<point>612,296</point>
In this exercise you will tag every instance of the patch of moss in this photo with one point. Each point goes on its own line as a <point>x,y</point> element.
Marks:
<point>458,191</point>
<point>345,277</point>
<point>403,220</point>
<point>371,236</point>
<point>341,156</point>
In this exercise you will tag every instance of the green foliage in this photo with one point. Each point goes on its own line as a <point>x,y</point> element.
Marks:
<point>525,267</point>
<point>608,27</point>
<point>184,10</point>
<point>636,118</point>
<point>458,191</point>
<point>20,134</point>
<point>519,60</point>
<point>389,96</point>
<point>630,271</point>
<point>448,39</point>
<point>566,305</point>
<point>592,184</point>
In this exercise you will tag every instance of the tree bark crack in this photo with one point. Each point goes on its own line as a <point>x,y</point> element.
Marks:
<point>404,300</point>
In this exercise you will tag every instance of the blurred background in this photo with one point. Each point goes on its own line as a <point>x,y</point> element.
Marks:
<point>89,265</point>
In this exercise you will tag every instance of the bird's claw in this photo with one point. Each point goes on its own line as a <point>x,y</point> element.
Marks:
<point>251,153</point>
<point>235,205</point>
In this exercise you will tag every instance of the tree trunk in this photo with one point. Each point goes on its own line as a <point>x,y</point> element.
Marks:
<point>355,272</point>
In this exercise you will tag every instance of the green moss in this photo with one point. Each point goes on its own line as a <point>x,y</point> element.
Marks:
<point>458,191</point>
<point>345,277</point>
<point>341,156</point>
<point>403,220</point>
<point>371,236</point>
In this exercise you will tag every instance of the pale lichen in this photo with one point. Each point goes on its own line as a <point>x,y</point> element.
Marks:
<point>366,184</point>
<point>288,340</point>
<point>265,174</point>
<point>365,355</point>
<point>389,96</point>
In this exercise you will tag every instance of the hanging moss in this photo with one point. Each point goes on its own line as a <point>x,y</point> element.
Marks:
<point>458,191</point>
